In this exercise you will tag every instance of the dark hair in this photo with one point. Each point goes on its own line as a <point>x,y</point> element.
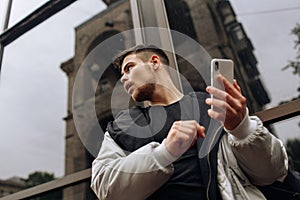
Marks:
<point>118,60</point>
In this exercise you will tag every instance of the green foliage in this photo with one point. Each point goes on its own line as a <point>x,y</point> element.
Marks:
<point>295,65</point>
<point>37,178</point>
<point>293,150</point>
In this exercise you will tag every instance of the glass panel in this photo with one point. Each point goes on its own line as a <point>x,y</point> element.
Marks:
<point>35,94</point>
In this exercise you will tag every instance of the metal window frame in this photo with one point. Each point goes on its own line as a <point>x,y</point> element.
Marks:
<point>38,16</point>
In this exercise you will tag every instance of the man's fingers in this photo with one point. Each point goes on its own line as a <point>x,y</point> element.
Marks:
<point>183,135</point>
<point>200,131</point>
<point>236,85</point>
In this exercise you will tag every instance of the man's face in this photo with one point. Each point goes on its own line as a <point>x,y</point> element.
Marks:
<point>137,78</point>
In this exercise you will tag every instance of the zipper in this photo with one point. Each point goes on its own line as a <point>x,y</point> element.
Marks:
<point>209,164</point>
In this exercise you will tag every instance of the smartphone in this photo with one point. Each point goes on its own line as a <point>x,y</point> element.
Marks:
<point>224,67</point>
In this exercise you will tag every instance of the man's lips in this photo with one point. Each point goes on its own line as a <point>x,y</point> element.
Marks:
<point>127,86</point>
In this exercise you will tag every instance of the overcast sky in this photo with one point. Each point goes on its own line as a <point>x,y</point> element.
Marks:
<point>33,89</point>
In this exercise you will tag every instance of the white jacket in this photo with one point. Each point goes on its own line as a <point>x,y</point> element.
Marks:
<point>254,156</point>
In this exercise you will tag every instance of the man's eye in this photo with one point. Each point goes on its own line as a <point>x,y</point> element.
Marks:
<point>129,68</point>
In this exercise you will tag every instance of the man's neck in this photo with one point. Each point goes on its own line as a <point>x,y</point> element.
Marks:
<point>165,97</point>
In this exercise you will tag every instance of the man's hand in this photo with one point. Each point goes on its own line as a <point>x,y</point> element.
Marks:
<point>182,135</point>
<point>229,105</point>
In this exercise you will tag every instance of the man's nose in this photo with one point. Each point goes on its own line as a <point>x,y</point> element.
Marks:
<point>124,77</point>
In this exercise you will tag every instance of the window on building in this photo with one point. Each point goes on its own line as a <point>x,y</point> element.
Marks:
<point>259,91</point>
<point>226,12</point>
<point>103,54</point>
<point>105,85</point>
<point>238,33</point>
<point>179,17</point>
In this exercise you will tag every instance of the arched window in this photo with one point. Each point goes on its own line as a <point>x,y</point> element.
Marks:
<point>103,53</point>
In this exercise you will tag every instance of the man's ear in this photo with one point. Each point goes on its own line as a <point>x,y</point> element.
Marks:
<point>155,60</point>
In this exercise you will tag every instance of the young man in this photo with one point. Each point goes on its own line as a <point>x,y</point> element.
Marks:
<point>152,153</point>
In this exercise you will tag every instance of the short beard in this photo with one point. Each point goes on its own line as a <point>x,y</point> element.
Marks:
<point>144,93</point>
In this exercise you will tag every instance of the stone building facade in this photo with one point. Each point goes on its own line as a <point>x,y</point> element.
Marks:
<point>11,186</point>
<point>211,23</point>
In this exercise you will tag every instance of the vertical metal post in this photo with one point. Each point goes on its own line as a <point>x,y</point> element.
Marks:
<point>7,16</point>
<point>135,12</point>
<point>5,25</point>
<point>167,41</point>
<point>1,55</point>
<point>152,13</point>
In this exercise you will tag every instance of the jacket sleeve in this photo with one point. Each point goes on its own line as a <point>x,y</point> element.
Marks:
<point>260,154</point>
<point>117,175</point>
